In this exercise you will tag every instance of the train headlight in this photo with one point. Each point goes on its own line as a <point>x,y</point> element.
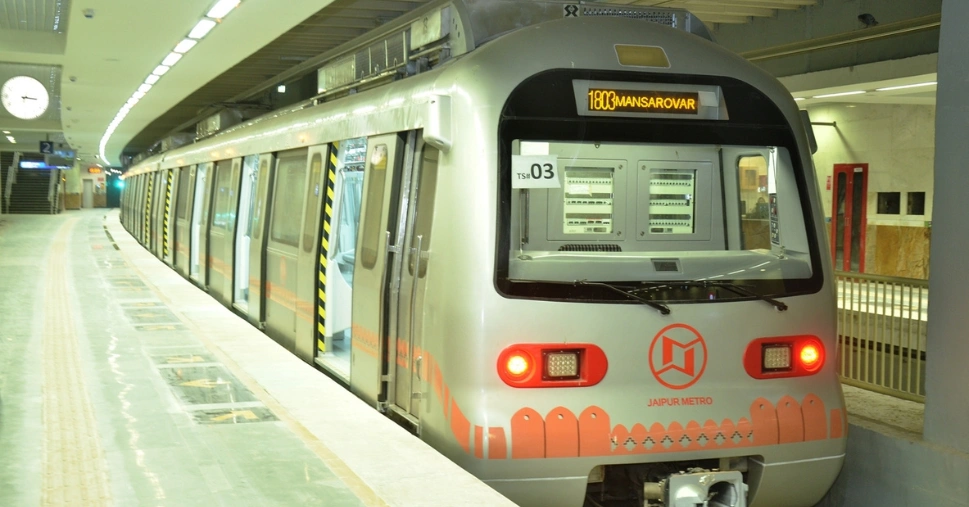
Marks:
<point>784,356</point>
<point>777,357</point>
<point>561,365</point>
<point>552,365</point>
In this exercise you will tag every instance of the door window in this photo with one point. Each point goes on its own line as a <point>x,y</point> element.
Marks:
<point>288,201</point>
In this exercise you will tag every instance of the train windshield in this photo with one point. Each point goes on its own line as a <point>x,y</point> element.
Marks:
<point>644,216</point>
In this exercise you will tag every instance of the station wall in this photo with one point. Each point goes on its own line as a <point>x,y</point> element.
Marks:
<point>897,141</point>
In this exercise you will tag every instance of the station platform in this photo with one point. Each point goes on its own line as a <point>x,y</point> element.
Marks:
<point>123,384</point>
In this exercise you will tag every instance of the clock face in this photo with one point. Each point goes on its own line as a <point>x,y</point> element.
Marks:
<point>24,97</point>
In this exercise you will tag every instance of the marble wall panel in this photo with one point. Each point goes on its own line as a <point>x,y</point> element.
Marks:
<point>898,251</point>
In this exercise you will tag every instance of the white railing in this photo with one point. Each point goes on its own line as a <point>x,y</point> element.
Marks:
<point>882,333</point>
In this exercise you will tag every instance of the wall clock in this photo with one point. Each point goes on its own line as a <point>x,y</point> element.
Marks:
<point>24,97</point>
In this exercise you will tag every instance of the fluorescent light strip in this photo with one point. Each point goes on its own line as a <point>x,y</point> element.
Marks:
<point>172,59</point>
<point>185,45</point>
<point>201,28</point>
<point>902,87</point>
<point>798,99</point>
<point>221,8</point>
<point>841,94</point>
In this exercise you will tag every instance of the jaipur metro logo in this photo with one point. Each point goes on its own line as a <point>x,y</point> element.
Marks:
<point>678,356</point>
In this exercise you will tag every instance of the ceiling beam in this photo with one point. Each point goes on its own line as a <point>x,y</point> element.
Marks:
<point>19,125</point>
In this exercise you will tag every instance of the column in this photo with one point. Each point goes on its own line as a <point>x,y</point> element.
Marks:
<point>947,363</point>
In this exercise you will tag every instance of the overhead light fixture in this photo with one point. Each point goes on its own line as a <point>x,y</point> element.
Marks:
<point>840,94</point>
<point>902,87</point>
<point>171,59</point>
<point>798,99</point>
<point>281,88</point>
<point>11,139</point>
<point>6,131</point>
<point>201,28</point>
<point>221,8</point>
<point>185,45</point>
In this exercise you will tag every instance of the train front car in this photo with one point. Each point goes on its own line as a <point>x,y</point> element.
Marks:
<point>657,324</point>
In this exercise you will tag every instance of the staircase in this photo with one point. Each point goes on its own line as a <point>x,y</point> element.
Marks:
<point>6,160</point>
<point>29,195</point>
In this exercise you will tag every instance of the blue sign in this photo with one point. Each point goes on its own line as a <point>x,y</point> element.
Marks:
<point>40,164</point>
<point>47,147</point>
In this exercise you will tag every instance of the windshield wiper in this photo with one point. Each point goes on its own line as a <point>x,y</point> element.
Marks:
<point>740,289</point>
<point>733,287</point>
<point>663,309</point>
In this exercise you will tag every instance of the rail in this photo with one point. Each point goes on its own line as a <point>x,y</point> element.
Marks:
<point>882,333</point>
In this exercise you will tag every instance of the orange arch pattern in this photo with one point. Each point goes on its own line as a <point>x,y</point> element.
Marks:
<point>562,434</point>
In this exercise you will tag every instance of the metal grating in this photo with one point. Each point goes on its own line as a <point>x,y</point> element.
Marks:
<point>590,247</point>
<point>663,18</point>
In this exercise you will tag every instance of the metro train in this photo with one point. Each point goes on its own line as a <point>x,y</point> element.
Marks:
<point>576,247</point>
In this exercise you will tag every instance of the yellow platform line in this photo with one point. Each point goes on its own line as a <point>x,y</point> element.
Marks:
<point>74,468</point>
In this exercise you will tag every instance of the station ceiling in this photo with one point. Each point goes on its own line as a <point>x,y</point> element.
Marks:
<point>93,54</point>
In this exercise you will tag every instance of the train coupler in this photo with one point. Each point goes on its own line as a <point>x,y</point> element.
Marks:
<point>697,487</point>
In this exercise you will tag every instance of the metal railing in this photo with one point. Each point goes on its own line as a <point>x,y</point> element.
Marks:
<point>882,333</point>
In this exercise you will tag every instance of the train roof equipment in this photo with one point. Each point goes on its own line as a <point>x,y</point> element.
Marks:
<point>442,30</point>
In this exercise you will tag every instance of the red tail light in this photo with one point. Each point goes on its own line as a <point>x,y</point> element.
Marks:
<point>810,356</point>
<point>784,356</point>
<point>552,365</point>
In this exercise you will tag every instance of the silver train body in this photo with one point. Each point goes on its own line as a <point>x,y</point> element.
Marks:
<point>584,258</point>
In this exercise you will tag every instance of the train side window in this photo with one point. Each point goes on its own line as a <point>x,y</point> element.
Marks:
<point>370,244</point>
<point>425,207</point>
<point>181,206</point>
<point>221,217</point>
<point>287,201</point>
<point>312,197</point>
<point>263,179</point>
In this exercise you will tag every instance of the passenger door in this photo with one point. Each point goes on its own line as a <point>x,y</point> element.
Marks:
<point>338,242</point>
<point>372,269</point>
<point>247,203</point>
<point>183,221</point>
<point>168,235</point>
<point>282,249</point>
<point>200,232</point>
<point>308,260</point>
<point>257,247</point>
<point>418,210</point>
